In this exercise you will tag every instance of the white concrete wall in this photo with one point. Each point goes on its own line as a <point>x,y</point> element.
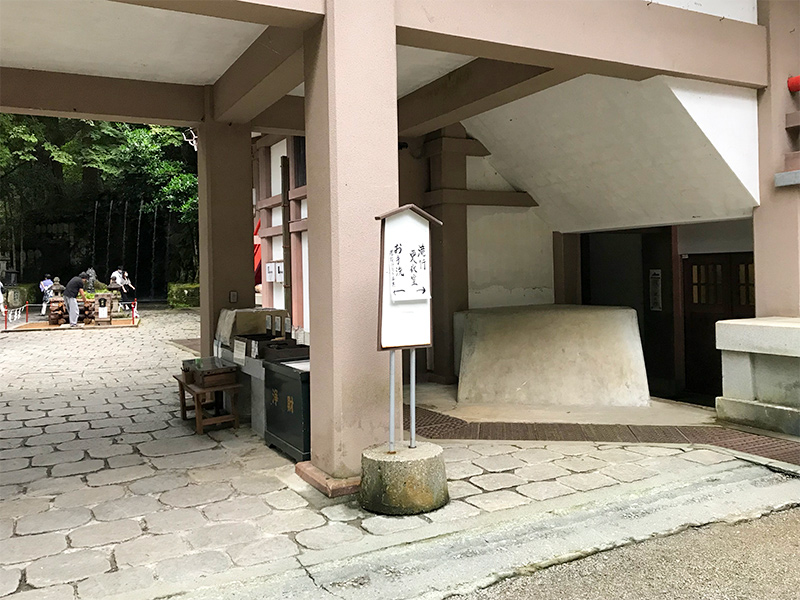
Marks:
<point>728,116</point>
<point>711,238</point>
<point>739,10</point>
<point>600,153</point>
<point>509,257</point>
<point>481,175</point>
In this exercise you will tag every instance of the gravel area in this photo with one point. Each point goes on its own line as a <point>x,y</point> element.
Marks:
<point>745,561</point>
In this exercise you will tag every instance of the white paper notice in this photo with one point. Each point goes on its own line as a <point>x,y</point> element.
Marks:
<point>279,272</point>
<point>269,272</point>
<point>239,350</point>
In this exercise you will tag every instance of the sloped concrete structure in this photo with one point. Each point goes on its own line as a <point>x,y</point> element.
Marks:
<point>593,156</point>
<point>565,355</point>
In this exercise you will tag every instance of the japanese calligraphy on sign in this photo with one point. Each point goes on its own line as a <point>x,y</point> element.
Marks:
<point>409,277</point>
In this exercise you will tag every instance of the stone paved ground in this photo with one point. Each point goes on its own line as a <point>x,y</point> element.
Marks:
<point>104,490</point>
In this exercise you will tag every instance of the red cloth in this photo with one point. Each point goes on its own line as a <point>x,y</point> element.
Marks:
<point>257,256</point>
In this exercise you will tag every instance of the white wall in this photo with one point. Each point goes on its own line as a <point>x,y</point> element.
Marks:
<point>600,153</point>
<point>739,10</point>
<point>728,116</point>
<point>509,257</point>
<point>481,175</point>
<point>711,238</point>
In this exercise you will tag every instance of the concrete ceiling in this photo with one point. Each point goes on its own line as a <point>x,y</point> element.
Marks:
<point>601,153</point>
<point>96,37</point>
<point>111,39</point>
<point>417,67</point>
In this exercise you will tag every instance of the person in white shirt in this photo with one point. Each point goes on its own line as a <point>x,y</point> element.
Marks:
<point>118,276</point>
<point>46,286</point>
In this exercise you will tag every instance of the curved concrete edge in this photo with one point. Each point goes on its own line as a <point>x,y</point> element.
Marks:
<point>408,481</point>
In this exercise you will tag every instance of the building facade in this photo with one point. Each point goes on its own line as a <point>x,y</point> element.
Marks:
<point>609,151</point>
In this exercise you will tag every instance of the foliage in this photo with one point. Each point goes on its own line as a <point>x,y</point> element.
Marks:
<point>183,295</point>
<point>66,184</point>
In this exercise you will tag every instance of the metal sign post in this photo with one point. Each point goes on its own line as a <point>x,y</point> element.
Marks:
<point>405,297</point>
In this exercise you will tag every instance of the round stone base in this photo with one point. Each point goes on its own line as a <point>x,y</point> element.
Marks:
<point>408,482</point>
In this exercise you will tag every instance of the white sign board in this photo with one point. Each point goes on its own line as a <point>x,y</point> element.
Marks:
<point>279,272</point>
<point>655,290</point>
<point>269,272</point>
<point>405,309</point>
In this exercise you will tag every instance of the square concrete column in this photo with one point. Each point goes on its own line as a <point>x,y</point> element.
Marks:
<point>225,219</point>
<point>351,142</point>
<point>776,222</point>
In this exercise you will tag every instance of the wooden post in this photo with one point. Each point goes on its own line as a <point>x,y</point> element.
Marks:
<point>287,241</point>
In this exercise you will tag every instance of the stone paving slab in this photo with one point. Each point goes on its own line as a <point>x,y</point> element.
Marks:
<point>150,508</point>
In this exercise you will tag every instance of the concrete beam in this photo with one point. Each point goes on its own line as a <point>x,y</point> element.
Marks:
<point>285,117</point>
<point>87,97</point>
<point>299,14</point>
<point>478,86</point>
<point>270,68</point>
<point>470,90</point>
<point>478,198</point>
<point>653,39</point>
<point>463,146</point>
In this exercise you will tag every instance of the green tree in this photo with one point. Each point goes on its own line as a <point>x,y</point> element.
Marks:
<point>74,183</point>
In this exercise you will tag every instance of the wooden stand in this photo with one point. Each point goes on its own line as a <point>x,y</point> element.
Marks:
<point>206,397</point>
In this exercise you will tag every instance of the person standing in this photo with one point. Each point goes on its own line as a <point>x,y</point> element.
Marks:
<point>71,291</point>
<point>127,286</point>
<point>2,301</point>
<point>46,286</point>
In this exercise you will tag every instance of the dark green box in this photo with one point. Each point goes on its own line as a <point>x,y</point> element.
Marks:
<point>288,410</point>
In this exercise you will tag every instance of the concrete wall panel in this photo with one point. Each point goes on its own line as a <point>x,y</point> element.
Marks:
<point>509,257</point>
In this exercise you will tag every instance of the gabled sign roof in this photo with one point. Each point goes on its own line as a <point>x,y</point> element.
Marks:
<point>413,208</point>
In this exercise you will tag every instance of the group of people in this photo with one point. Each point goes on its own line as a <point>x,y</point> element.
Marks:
<point>76,287</point>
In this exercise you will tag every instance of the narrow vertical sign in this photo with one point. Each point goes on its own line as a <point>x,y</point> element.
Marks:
<point>404,305</point>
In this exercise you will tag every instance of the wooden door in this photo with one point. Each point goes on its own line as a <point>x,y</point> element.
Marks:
<point>716,287</point>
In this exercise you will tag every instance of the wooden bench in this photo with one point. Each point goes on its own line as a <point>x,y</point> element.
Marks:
<point>205,397</point>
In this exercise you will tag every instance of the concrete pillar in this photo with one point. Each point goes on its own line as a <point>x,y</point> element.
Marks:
<point>225,215</point>
<point>760,361</point>
<point>449,284</point>
<point>776,222</point>
<point>351,129</point>
<point>449,276</point>
<point>567,267</point>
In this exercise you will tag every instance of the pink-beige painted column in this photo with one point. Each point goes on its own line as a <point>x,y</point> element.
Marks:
<point>776,222</point>
<point>225,216</point>
<point>351,128</point>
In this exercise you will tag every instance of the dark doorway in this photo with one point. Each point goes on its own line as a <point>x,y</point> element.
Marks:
<point>715,287</point>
